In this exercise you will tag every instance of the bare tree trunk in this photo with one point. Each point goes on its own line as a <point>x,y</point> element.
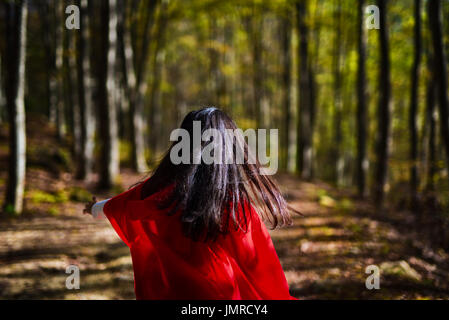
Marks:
<point>313,66</point>
<point>440,67</point>
<point>286,31</point>
<point>214,60</point>
<point>71,95</point>
<point>414,181</point>
<point>256,43</point>
<point>123,110</point>
<point>228,85</point>
<point>66,84</point>
<point>57,81</point>
<point>362,121</point>
<point>155,93</point>
<point>338,101</point>
<point>48,33</point>
<point>16,33</point>
<point>136,75</point>
<point>87,129</point>
<point>106,87</point>
<point>2,97</point>
<point>384,107</point>
<point>304,150</point>
<point>431,119</point>
<point>127,55</point>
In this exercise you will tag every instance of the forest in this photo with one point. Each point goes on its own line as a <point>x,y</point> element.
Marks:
<point>91,90</point>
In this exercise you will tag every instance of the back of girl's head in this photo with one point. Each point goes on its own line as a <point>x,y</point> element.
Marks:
<point>214,198</point>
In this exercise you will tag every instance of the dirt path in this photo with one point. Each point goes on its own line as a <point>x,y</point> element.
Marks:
<point>324,254</point>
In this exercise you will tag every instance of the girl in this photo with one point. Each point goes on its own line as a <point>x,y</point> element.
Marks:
<point>193,230</point>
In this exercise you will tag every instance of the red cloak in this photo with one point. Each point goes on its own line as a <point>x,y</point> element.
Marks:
<point>169,265</point>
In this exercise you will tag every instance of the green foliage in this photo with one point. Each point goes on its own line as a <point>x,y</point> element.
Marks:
<point>345,204</point>
<point>53,158</point>
<point>207,53</point>
<point>9,209</point>
<point>125,151</point>
<point>327,201</point>
<point>79,194</point>
<point>117,188</point>
<point>38,196</point>
<point>400,269</point>
<point>321,193</point>
<point>53,211</point>
<point>355,228</point>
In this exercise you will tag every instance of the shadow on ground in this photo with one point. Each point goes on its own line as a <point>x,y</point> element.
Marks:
<point>324,254</point>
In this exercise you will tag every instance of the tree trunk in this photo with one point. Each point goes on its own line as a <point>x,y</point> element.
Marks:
<point>126,55</point>
<point>362,121</point>
<point>16,34</point>
<point>338,101</point>
<point>382,148</point>
<point>2,97</point>
<point>107,115</point>
<point>155,92</point>
<point>71,95</point>
<point>256,43</point>
<point>57,81</point>
<point>48,33</point>
<point>414,182</point>
<point>123,111</point>
<point>87,129</point>
<point>440,73</point>
<point>136,75</point>
<point>304,150</point>
<point>313,65</point>
<point>431,119</point>
<point>214,60</point>
<point>142,72</point>
<point>286,31</point>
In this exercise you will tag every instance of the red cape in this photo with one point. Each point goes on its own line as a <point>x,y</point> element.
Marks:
<point>168,265</point>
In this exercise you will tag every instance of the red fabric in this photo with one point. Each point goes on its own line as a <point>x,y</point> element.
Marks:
<point>168,265</point>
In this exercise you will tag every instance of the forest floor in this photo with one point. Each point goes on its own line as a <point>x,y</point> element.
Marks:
<point>324,254</point>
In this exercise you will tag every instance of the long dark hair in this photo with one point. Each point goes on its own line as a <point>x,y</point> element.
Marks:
<point>213,198</point>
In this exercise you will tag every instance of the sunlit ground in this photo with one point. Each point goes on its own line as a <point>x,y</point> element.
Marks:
<point>324,254</point>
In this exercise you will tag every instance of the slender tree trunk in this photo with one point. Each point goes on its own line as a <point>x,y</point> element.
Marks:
<point>123,77</point>
<point>87,129</point>
<point>136,75</point>
<point>66,84</point>
<point>256,43</point>
<point>48,33</point>
<point>129,83</point>
<point>2,97</point>
<point>106,86</point>
<point>214,60</point>
<point>384,107</point>
<point>305,149</point>
<point>16,33</point>
<point>155,92</point>
<point>134,7</point>
<point>431,119</point>
<point>362,121</point>
<point>142,73</point>
<point>57,81</point>
<point>440,68</point>
<point>313,66</point>
<point>228,85</point>
<point>414,182</point>
<point>71,93</point>
<point>286,31</point>
<point>338,101</point>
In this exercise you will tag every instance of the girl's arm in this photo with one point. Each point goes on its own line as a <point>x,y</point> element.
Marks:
<point>97,209</point>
